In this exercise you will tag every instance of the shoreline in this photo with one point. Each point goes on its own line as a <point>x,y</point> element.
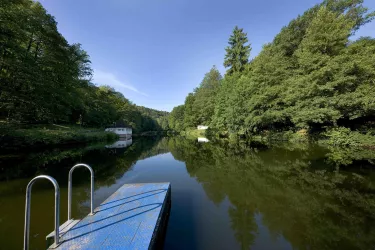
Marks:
<point>15,139</point>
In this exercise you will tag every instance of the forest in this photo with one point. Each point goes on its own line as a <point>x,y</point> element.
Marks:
<point>312,78</point>
<point>45,80</point>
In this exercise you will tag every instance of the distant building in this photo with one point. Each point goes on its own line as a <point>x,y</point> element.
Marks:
<point>202,139</point>
<point>120,131</point>
<point>120,128</point>
<point>202,127</point>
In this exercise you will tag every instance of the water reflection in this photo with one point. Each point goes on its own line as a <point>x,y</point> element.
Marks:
<point>119,146</point>
<point>296,193</point>
<point>224,195</point>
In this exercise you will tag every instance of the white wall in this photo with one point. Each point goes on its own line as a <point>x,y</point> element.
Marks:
<point>201,127</point>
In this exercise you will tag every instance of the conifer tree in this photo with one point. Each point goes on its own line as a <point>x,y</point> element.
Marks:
<point>237,53</point>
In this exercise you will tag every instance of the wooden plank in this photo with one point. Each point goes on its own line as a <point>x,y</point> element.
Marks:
<point>131,218</point>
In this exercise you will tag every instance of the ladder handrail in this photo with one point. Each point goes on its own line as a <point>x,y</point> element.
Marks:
<point>70,188</point>
<point>27,210</point>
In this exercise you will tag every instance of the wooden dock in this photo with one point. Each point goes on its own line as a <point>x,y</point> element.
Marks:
<point>134,217</point>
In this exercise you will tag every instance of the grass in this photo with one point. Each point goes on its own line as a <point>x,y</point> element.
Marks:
<point>47,135</point>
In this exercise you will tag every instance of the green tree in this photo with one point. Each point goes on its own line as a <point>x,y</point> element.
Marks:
<point>237,53</point>
<point>311,92</point>
<point>176,118</point>
<point>44,79</point>
<point>190,119</point>
<point>205,95</point>
<point>305,77</point>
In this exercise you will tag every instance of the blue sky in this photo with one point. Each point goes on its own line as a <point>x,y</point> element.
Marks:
<point>157,51</point>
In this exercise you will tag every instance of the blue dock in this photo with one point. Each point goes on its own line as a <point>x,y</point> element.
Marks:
<point>134,217</point>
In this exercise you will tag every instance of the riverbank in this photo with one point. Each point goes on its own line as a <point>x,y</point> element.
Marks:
<point>50,135</point>
<point>193,133</point>
<point>151,133</point>
<point>334,137</point>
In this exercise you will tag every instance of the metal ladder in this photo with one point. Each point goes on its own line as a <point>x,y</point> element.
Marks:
<point>56,233</point>
<point>70,189</point>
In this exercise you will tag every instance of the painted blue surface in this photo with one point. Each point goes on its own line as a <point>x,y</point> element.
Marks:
<point>126,220</point>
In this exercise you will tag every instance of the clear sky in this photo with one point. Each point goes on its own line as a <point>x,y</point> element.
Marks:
<point>157,51</point>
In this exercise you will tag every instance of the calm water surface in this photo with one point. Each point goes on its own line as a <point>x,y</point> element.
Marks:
<point>224,196</point>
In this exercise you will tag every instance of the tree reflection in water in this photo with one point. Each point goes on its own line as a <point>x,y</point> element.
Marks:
<point>297,190</point>
<point>311,196</point>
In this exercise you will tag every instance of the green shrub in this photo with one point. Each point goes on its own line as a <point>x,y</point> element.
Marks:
<point>344,137</point>
<point>286,136</point>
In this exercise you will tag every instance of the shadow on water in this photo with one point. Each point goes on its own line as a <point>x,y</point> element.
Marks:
<point>224,195</point>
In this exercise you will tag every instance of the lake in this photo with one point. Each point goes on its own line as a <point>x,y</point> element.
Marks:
<point>224,195</point>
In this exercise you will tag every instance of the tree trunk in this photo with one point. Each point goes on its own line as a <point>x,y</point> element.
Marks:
<point>36,51</point>
<point>30,42</point>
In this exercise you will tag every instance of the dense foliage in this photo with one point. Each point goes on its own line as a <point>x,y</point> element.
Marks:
<point>199,106</point>
<point>44,79</point>
<point>311,76</point>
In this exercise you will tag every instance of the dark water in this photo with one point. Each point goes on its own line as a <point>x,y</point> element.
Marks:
<point>224,196</point>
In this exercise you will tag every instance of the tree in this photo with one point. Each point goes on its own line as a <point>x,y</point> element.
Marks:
<point>176,118</point>
<point>237,53</point>
<point>312,90</point>
<point>190,119</point>
<point>310,76</point>
<point>199,106</point>
<point>44,79</point>
<point>205,95</point>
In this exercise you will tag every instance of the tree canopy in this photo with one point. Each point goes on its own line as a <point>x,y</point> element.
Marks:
<point>44,79</point>
<point>237,53</point>
<point>199,106</point>
<point>311,76</point>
